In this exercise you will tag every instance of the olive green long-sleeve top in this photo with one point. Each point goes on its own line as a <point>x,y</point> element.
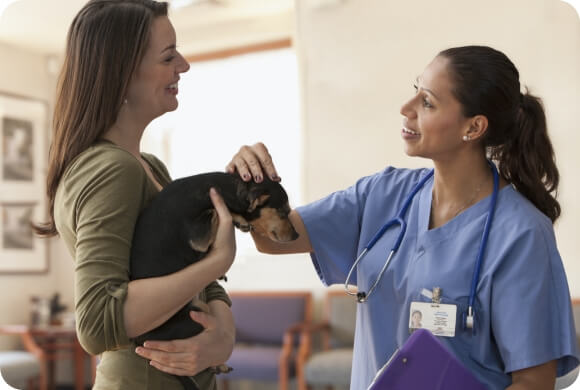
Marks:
<point>95,210</point>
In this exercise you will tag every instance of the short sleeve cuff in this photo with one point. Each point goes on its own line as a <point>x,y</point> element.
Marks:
<point>214,291</point>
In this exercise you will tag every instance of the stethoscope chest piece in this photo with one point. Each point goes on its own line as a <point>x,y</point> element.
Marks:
<point>361,297</point>
<point>468,317</point>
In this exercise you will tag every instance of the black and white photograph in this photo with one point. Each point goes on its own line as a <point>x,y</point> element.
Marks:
<point>17,153</point>
<point>16,226</point>
<point>23,148</point>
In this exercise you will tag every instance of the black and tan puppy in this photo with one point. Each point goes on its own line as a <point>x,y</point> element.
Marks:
<point>179,226</point>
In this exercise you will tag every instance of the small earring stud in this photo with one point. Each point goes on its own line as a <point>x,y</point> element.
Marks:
<point>125,101</point>
<point>466,138</point>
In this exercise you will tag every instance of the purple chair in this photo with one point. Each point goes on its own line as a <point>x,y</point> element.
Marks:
<point>268,335</point>
<point>329,365</point>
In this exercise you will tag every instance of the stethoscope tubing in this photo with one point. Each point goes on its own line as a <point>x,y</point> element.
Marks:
<point>399,220</point>
<point>483,244</point>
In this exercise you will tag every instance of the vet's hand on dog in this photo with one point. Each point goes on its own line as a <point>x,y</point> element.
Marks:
<point>188,357</point>
<point>253,162</point>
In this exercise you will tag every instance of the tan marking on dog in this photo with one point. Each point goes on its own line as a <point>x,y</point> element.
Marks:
<point>260,200</point>
<point>276,228</point>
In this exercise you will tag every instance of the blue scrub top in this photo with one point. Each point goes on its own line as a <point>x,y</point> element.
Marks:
<point>523,314</point>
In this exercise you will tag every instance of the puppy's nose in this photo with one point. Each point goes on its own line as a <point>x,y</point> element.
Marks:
<point>294,235</point>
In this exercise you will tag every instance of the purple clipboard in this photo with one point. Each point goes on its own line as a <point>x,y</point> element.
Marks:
<point>423,362</point>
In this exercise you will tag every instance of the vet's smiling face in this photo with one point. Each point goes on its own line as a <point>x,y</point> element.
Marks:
<point>433,122</point>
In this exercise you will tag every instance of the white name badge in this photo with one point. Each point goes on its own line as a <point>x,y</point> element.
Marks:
<point>435,317</point>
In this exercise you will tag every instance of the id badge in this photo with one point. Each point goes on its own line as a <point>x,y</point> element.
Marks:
<point>438,318</point>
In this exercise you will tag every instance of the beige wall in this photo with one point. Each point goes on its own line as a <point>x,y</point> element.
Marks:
<point>359,60</point>
<point>27,74</point>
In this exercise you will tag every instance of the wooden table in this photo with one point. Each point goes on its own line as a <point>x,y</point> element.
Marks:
<point>49,344</point>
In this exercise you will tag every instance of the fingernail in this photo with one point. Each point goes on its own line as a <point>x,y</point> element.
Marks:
<point>274,177</point>
<point>258,179</point>
<point>245,176</point>
<point>139,350</point>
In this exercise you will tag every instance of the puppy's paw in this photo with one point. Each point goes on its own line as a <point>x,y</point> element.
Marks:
<point>241,223</point>
<point>199,305</point>
<point>243,228</point>
<point>222,369</point>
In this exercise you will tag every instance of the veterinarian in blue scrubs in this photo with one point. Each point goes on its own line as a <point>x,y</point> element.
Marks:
<point>467,107</point>
<point>121,70</point>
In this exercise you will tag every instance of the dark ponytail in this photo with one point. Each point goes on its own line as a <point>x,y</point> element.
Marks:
<point>487,83</point>
<point>527,160</point>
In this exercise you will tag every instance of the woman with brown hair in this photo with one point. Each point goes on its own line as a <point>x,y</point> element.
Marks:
<point>479,240</point>
<point>121,71</point>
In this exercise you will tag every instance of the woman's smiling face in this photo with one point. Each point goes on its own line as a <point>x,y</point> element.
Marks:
<point>153,88</point>
<point>433,124</point>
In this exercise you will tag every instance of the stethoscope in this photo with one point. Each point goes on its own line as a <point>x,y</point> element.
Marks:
<point>399,220</point>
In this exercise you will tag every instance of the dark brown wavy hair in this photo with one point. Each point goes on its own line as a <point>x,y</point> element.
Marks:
<point>487,83</point>
<point>105,44</point>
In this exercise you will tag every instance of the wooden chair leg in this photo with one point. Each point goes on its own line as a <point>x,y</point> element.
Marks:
<point>301,382</point>
<point>44,374</point>
<point>32,384</point>
<point>283,378</point>
<point>94,363</point>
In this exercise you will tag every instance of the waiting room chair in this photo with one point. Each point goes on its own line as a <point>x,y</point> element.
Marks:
<point>330,364</point>
<point>576,312</point>
<point>21,370</point>
<point>25,369</point>
<point>268,326</point>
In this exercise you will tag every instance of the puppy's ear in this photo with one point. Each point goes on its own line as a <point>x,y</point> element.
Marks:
<point>257,199</point>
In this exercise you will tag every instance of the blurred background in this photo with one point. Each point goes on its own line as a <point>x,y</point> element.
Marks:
<point>320,82</point>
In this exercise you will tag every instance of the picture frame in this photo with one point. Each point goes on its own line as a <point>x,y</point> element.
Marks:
<point>23,146</point>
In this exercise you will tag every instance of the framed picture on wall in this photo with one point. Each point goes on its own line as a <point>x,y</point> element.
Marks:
<point>17,151</point>
<point>23,142</point>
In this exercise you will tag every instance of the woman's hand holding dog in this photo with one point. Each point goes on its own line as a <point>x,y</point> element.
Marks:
<point>214,345</point>
<point>253,162</point>
<point>224,247</point>
<point>190,356</point>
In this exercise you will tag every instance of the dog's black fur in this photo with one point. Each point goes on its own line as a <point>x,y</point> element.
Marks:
<point>179,226</point>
